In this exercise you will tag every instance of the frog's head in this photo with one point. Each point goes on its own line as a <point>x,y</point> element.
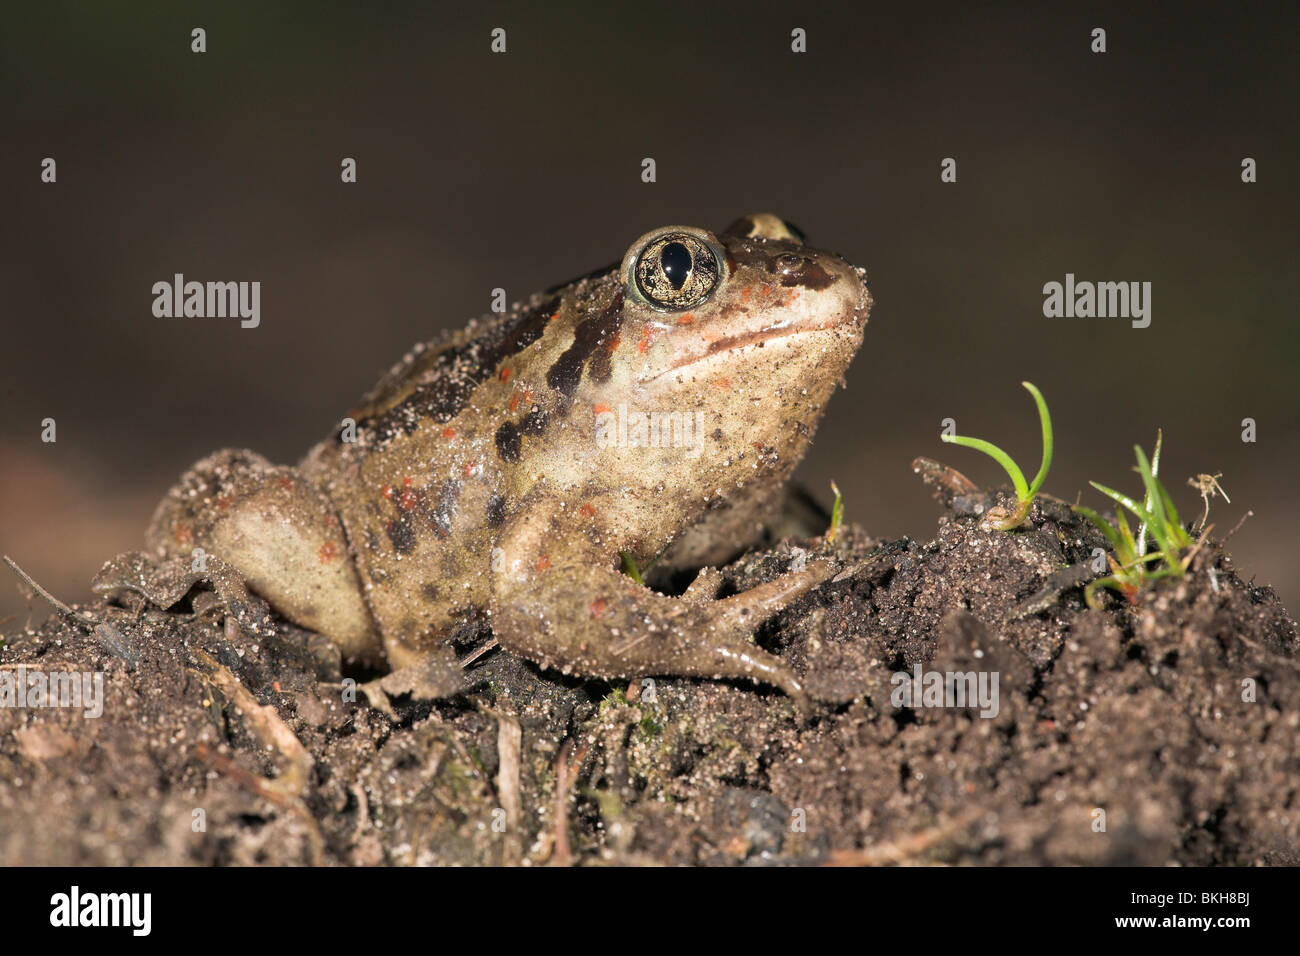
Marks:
<point>752,305</point>
<point>697,367</point>
<point>747,331</point>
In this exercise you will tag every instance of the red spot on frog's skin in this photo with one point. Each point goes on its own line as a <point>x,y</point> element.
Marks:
<point>613,343</point>
<point>790,299</point>
<point>723,383</point>
<point>328,552</point>
<point>285,481</point>
<point>686,319</point>
<point>223,502</point>
<point>449,433</point>
<point>471,468</point>
<point>409,497</point>
<point>600,408</point>
<point>182,535</point>
<point>588,510</point>
<point>745,293</point>
<point>647,336</point>
<point>505,374</point>
<point>543,563</point>
<point>766,290</point>
<point>387,491</point>
<point>525,396</point>
<point>598,607</point>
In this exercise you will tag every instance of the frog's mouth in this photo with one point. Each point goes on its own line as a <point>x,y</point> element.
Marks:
<point>758,338</point>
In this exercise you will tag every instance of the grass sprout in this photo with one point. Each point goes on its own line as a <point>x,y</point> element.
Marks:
<point>1025,491</point>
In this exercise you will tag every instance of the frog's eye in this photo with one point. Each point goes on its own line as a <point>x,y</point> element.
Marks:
<point>676,271</point>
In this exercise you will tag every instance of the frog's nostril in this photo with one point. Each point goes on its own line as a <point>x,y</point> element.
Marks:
<point>787,264</point>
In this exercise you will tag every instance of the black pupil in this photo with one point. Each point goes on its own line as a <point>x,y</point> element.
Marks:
<point>676,263</point>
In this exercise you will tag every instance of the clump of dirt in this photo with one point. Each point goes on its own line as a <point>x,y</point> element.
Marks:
<point>1155,733</point>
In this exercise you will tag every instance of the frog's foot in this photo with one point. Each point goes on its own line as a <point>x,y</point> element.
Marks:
<point>281,535</point>
<point>765,599</point>
<point>618,628</point>
<point>724,647</point>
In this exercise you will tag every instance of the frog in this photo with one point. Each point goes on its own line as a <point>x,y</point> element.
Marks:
<point>507,474</point>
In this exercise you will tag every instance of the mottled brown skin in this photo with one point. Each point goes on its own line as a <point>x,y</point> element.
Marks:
<point>472,482</point>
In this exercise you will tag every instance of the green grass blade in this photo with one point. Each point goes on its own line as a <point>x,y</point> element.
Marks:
<point>1090,592</point>
<point>1159,520</point>
<point>1130,550</point>
<point>1145,559</point>
<point>1046,420</point>
<point>1101,525</point>
<point>1141,513</point>
<point>1181,537</point>
<point>837,513</point>
<point>630,567</point>
<point>1155,471</point>
<point>998,455</point>
<point>1151,500</point>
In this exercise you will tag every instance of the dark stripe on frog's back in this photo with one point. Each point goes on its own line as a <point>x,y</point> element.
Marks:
<point>509,437</point>
<point>591,349</point>
<point>593,340</point>
<point>437,383</point>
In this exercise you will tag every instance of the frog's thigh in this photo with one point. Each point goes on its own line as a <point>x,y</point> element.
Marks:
<point>280,533</point>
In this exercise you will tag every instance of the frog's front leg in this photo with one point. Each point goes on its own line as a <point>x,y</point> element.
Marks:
<point>560,599</point>
<point>280,533</point>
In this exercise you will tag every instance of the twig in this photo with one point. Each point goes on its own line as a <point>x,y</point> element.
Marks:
<point>107,635</point>
<point>898,852</point>
<point>509,746</point>
<point>58,605</point>
<point>261,787</point>
<point>1236,527</point>
<point>562,785</point>
<point>947,482</point>
<point>266,726</point>
<point>564,780</point>
<point>478,652</point>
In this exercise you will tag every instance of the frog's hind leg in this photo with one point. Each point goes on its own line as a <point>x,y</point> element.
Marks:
<point>280,533</point>
<point>559,603</point>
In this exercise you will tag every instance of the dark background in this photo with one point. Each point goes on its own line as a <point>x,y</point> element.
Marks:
<point>523,170</point>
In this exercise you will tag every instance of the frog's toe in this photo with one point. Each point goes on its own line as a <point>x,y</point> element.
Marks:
<point>748,607</point>
<point>711,641</point>
<point>765,668</point>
